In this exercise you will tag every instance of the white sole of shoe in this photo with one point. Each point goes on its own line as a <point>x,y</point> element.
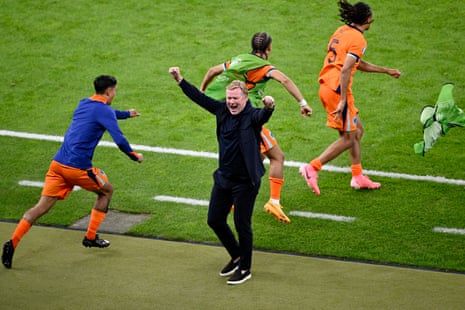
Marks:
<point>240,281</point>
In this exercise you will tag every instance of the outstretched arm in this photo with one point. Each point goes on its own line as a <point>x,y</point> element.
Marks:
<point>210,75</point>
<point>368,67</point>
<point>111,125</point>
<point>194,94</point>
<point>290,86</point>
<point>126,114</point>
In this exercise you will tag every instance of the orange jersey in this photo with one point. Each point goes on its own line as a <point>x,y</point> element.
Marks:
<point>256,75</point>
<point>347,41</point>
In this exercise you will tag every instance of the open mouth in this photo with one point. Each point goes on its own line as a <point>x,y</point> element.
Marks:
<point>233,108</point>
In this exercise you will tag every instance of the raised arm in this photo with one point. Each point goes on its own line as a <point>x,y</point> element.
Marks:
<point>290,86</point>
<point>126,114</point>
<point>261,116</point>
<point>368,67</point>
<point>194,94</point>
<point>176,74</point>
<point>210,75</point>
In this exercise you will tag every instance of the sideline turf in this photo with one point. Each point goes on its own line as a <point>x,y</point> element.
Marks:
<point>51,50</point>
<point>51,270</point>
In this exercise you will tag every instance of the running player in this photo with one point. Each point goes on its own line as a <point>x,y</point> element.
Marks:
<point>72,165</point>
<point>344,56</point>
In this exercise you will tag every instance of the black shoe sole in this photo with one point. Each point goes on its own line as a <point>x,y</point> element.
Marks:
<point>7,255</point>
<point>92,244</point>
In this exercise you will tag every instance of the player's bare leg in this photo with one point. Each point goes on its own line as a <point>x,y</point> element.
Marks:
<point>276,177</point>
<point>359,181</point>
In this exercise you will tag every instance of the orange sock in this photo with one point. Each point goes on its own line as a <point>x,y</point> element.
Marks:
<point>316,164</point>
<point>21,229</point>
<point>357,169</point>
<point>275,187</point>
<point>96,218</point>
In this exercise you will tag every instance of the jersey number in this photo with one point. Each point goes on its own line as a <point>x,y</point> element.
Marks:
<point>332,51</point>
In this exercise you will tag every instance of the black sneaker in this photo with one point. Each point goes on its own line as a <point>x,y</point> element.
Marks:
<point>97,242</point>
<point>229,268</point>
<point>240,276</point>
<point>7,255</point>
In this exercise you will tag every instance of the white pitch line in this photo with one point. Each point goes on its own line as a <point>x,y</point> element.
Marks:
<point>337,218</point>
<point>137,147</point>
<point>188,201</point>
<point>191,201</point>
<point>436,179</point>
<point>31,183</point>
<point>197,202</point>
<point>446,230</point>
<point>40,184</point>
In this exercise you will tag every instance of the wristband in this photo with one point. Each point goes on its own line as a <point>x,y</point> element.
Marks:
<point>302,102</point>
<point>135,156</point>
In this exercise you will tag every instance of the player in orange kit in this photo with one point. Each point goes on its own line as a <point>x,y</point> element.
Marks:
<point>346,48</point>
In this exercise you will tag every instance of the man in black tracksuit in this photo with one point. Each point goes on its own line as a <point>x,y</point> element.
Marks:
<point>238,177</point>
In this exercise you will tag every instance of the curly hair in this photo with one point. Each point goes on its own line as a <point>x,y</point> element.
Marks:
<point>357,13</point>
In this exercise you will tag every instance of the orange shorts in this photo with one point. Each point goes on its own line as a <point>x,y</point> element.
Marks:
<point>61,179</point>
<point>268,140</point>
<point>330,99</point>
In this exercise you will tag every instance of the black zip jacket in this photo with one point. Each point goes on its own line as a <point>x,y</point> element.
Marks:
<point>250,124</point>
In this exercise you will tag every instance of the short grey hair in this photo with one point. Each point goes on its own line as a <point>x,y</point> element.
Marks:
<point>238,84</point>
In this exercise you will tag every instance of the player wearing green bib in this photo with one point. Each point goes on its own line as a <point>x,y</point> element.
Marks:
<point>255,70</point>
<point>237,69</point>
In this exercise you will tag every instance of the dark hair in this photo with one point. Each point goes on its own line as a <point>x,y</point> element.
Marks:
<point>260,42</point>
<point>102,82</point>
<point>357,13</point>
